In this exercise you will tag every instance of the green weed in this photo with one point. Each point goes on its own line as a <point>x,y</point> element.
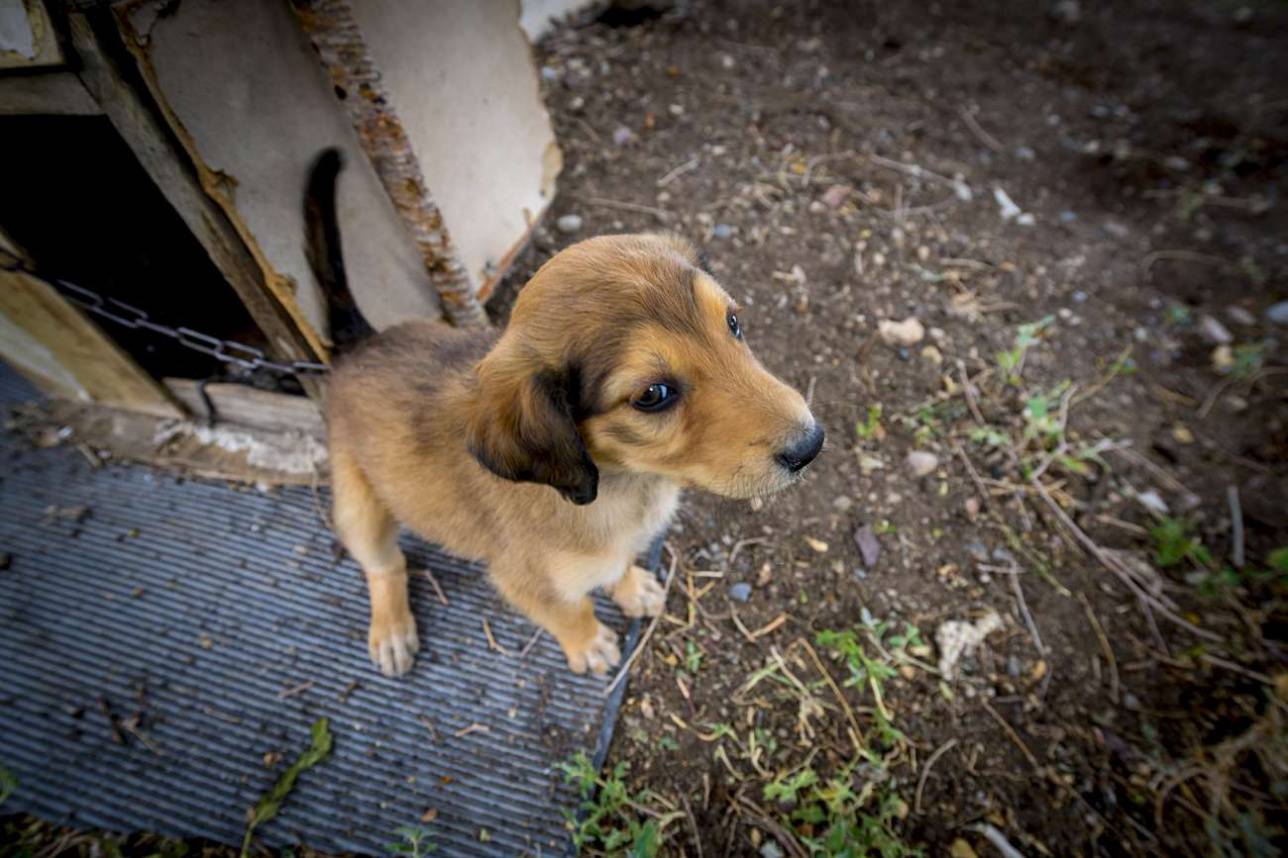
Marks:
<point>1248,359</point>
<point>1011,361</point>
<point>873,669</point>
<point>268,806</point>
<point>832,820</point>
<point>610,815</point>
<point>692,657</point>
<point>1173,544</point>
<point>415,842</point>
<point>871,427</point>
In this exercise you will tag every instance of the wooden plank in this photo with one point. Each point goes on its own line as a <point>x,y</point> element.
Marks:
<point>238,454</point>
<point>49,341</point>
<point>178,179</point>
<point>55,93</point>
<point>249,406</point>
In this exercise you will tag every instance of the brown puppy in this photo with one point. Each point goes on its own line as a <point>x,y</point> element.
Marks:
<point>556,451</point>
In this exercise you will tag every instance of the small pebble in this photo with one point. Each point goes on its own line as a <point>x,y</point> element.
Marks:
<point>1214,332</point>
<point>569,223</point>
<point>1079,297</point>
<point>1239,315</point>
<point>771,849</point>
<point>843,504</point>
<point>920,463</point>
<point>1068,216</point>
<point>722,230</point>
<point>622,135</point>
<point>906,333</point>
<point>740,592</point>
<point>1278,313</point>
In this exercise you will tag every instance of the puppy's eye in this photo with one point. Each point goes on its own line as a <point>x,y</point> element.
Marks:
<point>656,397</point>
<point>734,327</point>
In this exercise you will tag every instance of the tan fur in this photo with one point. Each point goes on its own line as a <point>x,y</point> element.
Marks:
<point>492,446</point>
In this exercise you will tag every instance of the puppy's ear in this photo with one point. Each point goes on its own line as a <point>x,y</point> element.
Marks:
<point>522,426</point>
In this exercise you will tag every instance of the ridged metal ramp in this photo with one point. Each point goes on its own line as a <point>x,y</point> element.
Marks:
<point>165,645</point>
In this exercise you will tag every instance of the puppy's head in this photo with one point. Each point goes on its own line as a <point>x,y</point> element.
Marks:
<point>622,354</point>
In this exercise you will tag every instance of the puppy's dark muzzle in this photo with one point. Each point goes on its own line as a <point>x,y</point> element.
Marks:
<point>803,450</point>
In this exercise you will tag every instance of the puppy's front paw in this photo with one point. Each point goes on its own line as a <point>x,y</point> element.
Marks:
<point>392,642</point>
<point>598,653</point>
<point>638,594</point>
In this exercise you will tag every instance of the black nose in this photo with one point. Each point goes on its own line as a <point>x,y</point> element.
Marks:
<point>803,450</point>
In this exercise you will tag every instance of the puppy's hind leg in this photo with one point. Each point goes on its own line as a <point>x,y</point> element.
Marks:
<point>370,533</point>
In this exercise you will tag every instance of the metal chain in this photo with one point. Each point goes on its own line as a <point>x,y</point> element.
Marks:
<point>228,351</point>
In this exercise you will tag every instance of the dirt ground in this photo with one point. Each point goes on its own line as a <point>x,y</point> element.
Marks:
<point>1098,380</point>
<point>1082,206</point>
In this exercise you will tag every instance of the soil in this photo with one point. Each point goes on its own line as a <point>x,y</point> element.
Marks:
<point>844,163</point>
<point>847,163</point>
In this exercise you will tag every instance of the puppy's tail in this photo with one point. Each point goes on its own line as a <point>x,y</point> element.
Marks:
<point>322,246</point>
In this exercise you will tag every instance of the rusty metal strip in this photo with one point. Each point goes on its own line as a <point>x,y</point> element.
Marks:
<point>335,36</point>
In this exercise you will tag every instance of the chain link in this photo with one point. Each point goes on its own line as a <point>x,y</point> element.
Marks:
<point>228,351</point>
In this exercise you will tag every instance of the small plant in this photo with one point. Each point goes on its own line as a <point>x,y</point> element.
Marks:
<point>786,790</point>
<point>987,436</point>
<point>692,657</point>
<point>873,670</point>
<point>415,842</point>
<point>1173,544</point>
<point>1179,315</point>
<point>1248,360</point>
<point>1225,580</point>
<point>1011,362</point>
<point>863,668</point>
<point>831,819</point>
<point>610,815</point>
<point>871,427</point>
<point>1042,415</point>
<point>1124,364</point>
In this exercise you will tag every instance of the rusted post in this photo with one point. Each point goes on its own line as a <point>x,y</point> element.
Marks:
<point>335,36</point>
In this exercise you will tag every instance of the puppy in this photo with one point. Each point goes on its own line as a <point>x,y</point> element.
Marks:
<point>555,451</point>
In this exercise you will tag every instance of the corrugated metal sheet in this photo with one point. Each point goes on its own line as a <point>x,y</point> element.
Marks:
<point>221,620</point>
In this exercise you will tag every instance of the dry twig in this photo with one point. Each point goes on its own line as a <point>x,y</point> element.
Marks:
<point>925,772</point>
<point>433,582</point>
<point>1114,686</point>
<point>1236,526</point>
<point>652,626</point>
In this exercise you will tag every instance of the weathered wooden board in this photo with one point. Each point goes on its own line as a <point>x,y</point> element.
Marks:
<point>53,344</point>
<point>247,406</point>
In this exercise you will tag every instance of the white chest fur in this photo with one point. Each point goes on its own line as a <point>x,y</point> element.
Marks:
<point>628,514</point>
